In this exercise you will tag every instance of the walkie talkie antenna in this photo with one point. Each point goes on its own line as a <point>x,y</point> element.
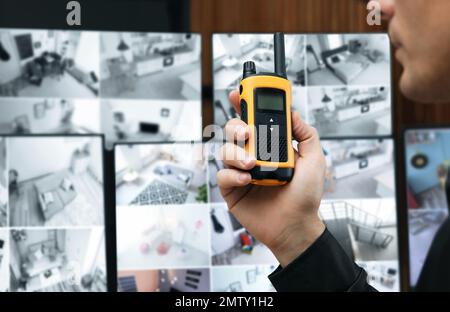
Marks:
<point>280,58</point>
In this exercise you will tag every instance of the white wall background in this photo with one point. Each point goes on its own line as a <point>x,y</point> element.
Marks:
<point>37,156</point>
<point>183,123</point>
<point>12,108</point>
<point>136,156</point>
<point>47,40</point>
<point>384,208</point>
<point>86,114</point>
<point>96,161</point>
<point>77,244</point>
<point>95,251</point>
<point>109,43</point>
<point>189,122</point>
<point>132,222</point>
<point>87,55</point>
<point>187,155</point>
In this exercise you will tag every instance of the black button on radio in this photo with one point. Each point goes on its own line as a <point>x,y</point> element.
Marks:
<point>244,111</point>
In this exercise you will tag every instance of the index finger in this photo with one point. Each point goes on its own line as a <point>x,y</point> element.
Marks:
<point>234,99</point>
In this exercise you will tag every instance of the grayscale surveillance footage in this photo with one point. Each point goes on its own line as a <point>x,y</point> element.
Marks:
<point>129,86</point>
<point>52,222</point>
<point>341,83</point>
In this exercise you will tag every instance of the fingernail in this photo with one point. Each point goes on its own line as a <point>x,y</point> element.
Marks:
<point>243,177</point>
<point>248,160</point>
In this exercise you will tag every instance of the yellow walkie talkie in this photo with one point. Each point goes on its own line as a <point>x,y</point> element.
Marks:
<point>265,100</point>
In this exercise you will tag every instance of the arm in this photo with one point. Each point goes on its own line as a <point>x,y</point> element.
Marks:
<point>435,274</point>
<point>324,266</point>
<point>285,218</point>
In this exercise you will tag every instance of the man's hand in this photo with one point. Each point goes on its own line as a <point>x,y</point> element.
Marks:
<point>284,218</point>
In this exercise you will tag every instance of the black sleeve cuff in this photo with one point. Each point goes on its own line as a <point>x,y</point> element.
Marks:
<point>324,266</point>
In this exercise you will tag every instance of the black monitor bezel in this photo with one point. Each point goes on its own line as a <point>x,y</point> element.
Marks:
<point>130,15</point>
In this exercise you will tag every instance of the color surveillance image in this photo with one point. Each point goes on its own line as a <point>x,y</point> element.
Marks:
<point>164,280</point>
<point>427,160</point>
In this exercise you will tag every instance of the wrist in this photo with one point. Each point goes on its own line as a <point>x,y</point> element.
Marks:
<point>296,239</point>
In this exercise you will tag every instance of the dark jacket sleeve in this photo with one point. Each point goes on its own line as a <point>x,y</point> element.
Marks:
<point>324,266</point>
<point>435,275</point>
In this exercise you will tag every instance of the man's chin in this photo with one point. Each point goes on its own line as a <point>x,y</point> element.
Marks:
<point>399,55</point>
<point>413,89</point>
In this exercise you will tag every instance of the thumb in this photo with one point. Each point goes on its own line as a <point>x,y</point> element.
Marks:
<point>307,137</point>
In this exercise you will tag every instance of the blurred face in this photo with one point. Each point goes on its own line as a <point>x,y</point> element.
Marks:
<point>420,31</point>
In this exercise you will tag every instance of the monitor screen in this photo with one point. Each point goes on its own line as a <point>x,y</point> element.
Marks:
<point>359,209</point>
<point>52,214</point>
<point>427,162</point>
<point>162,217</point>
<point>130,86</point>
<point>341,83</point>
<point>174,233</point>
<point>359,206</point>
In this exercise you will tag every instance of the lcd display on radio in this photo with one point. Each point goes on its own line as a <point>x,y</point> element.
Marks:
<point>270,99</point>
